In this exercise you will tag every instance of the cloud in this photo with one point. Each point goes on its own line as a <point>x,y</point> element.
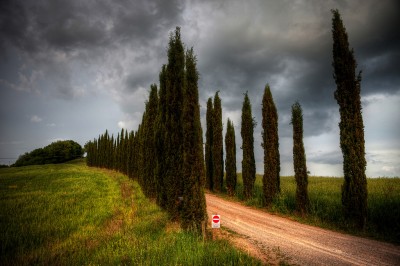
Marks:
<point>36,119</point>
<point>79,52</point>
<point>61,44</point>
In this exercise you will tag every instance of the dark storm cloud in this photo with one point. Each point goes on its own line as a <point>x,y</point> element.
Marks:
<point>146,19</point>
<point>52,38</point>
<point>85,50</point>
<point>13,23</point>
<point>66,25</point>
<point>289,46</point>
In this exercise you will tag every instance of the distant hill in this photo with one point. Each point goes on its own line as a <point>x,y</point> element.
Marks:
<point>56,152</point>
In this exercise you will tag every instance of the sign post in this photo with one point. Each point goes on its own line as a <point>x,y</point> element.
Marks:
<point>215,221</point>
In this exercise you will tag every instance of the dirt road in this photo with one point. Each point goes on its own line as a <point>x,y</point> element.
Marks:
<point>298,243</point>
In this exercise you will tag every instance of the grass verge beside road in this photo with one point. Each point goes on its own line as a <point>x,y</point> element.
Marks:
<point>71,214</point>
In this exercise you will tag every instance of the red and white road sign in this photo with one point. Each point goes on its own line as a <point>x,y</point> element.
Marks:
<point>215,221</point>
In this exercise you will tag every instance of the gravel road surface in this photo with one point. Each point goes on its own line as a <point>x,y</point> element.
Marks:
<point>298,243</point>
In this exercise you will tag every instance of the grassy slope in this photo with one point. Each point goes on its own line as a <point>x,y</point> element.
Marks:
<point>326,209</point>
<point>72,214</point>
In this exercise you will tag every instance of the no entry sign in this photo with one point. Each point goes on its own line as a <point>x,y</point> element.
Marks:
<point>215,221</point>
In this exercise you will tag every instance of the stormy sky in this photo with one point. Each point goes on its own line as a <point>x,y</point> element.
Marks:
<point>72,69</point>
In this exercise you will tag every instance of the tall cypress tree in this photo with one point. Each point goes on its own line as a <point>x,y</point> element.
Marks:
<point>299,160</point>
<point>121,150</point>
<point>135,155</point>
<point>141,150</point>
<point>131,151</point>
<point>217,150</point>
<point>248,162</point>
<point>112,152</point>
<point>126,157</point>
<point>149,149</point>
<point>347,95</point>
<point>173,125</point>
<point>160,140</point>
<point>209,146</point>
<point>193,213</point>
<point>117,152</point>
<point>270,144</point>
<point>230,162</point>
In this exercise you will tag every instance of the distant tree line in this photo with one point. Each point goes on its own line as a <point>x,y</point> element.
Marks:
<point>56,152</point>
<point>165,154</point>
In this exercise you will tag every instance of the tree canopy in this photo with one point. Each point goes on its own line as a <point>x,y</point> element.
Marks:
<point>56,152</point>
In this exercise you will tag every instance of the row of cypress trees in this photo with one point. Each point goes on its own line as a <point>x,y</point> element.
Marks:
<point>214,149</point>
<point>165,154</point>
<point>270,144</point>
<point>347,95</point>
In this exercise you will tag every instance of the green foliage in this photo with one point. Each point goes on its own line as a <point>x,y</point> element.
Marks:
<point>217,145</point>
<point>160,140</point>
<point>165,154</point>
<point>248,163</point>
<point>148,150</point>
<point>209,146</point>
<point>270,144</point>
<point>118,154</point>
<point>193,214</point>
<point>299,160</point>
<point>230,162</point>
<point>69,214</point>
<point>56,152</point>
<point>347,95</point>
<point>173,146</point>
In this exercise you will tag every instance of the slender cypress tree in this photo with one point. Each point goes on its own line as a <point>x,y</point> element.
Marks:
<point>173,125</point>
<point>149,143</point>
<point>131,151</point>
<point>141,149</point>
<point>347,95</point>
<point>121,150</point>
<point>209,146</point>
<point>117,153</point>
<point>135,155</point>
<point>112,152</point>
<point>125,153</point>
<point>193,213</point>
<point>248,162</point>
<point>217,150</point>
<point>160,140</point>
<point>299,160</point>
<point>230,162</point>
<point>270,144</point>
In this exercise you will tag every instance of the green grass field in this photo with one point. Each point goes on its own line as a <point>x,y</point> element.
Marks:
<point>69,214</point>
<point>326,208</point>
